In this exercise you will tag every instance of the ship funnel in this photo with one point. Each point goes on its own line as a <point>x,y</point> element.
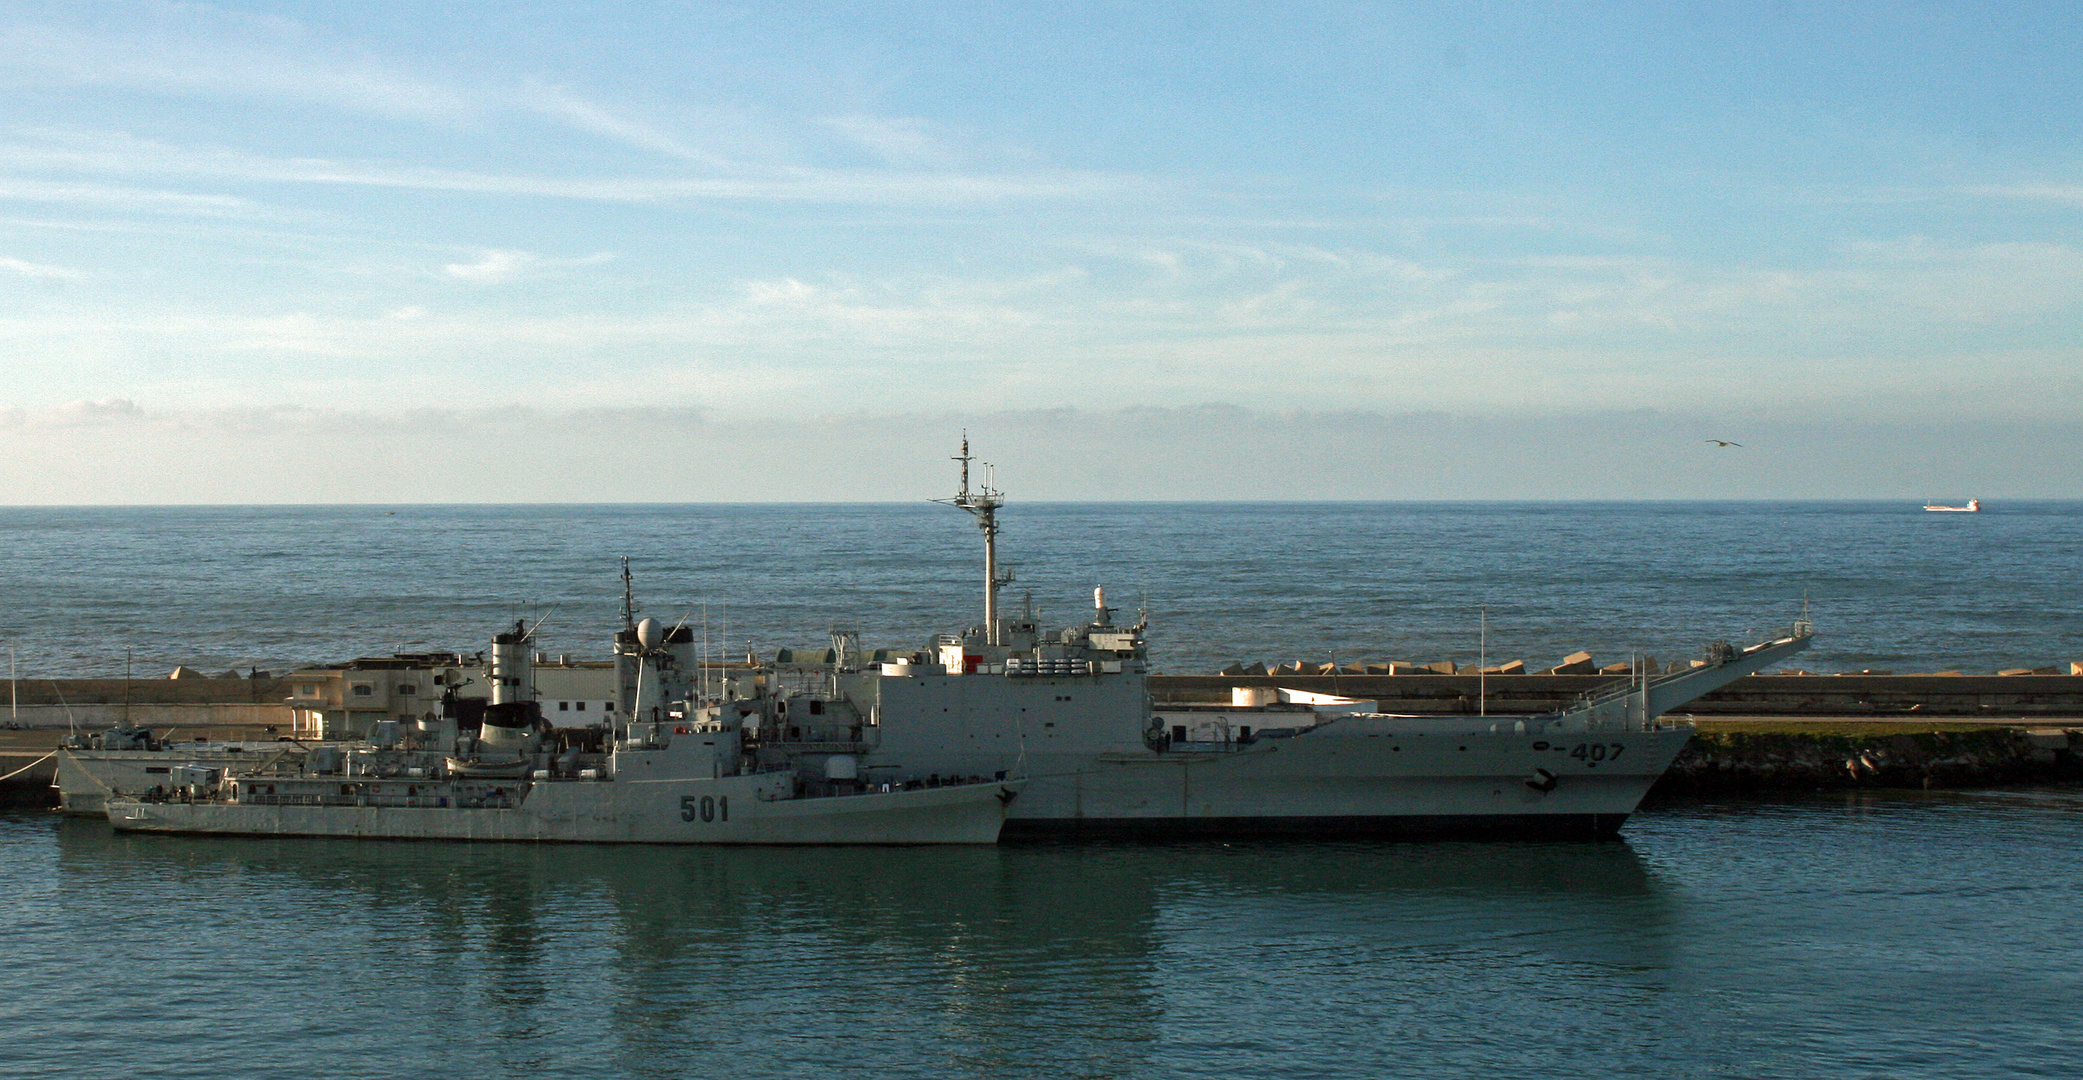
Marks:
<point>511,672</point>
<point>511,717</point>
<point>648,634</point>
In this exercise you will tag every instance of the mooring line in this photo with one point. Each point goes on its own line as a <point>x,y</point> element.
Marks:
<point>29,766</point>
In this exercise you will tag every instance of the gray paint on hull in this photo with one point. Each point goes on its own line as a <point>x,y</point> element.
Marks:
<point>1391,827</point>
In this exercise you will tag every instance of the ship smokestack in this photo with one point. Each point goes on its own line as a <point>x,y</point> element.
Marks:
<point>511,719</point>
<point>511,671</point>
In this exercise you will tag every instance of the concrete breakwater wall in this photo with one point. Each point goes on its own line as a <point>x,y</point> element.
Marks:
<point>95,704</point>
<point>58,693</point>
<point>100,716</point>
<point>188,702</point>
<point>1877,696</point>
<point>1726,763</point>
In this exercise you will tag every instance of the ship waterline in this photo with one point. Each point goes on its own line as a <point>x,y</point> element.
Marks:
<point>1362,775</point>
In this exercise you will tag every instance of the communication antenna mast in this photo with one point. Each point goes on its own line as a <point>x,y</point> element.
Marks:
<point>628,597</point>
<point>983,505</point>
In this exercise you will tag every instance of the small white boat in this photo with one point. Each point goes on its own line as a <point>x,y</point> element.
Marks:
<point>1974,506</point>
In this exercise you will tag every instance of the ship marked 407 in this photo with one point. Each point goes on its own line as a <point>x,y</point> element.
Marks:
<point>1590,753</point>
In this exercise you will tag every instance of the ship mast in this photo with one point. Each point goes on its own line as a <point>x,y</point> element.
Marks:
<point>983,504</point>
<point>628,597</point>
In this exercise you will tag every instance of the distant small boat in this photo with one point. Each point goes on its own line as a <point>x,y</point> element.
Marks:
<point>1974,506</point>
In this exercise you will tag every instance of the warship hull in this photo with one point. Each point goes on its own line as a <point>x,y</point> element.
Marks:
<point>726,810</point>
<point>1360,775</point>
<point>1356,827</point>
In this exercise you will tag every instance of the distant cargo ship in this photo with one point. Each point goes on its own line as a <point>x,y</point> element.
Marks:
<point>1974,506</point>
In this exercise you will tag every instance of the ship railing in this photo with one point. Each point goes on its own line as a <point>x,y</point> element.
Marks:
<point>419,802</point>
<point>1719,654</point>
<point>821,747</point>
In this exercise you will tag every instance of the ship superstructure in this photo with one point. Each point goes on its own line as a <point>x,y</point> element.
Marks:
<point>1070,710</point>
<point>670,771</point>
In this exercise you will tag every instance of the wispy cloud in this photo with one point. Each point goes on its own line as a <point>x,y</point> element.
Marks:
<point>119,154</point>
<point>899,140</point>
<point>100,412</point>
<point>1276,325</point>
<point>285,453</point>
<point>192,49</point>
<point>36,270</point>
<point>119,197</point>
<point>2071,194</point>
<point>497,266</point>
<point>559,103</point>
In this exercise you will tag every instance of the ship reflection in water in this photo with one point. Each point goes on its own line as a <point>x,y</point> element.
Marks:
<point>1901,936</point>
<point>1126,960</point>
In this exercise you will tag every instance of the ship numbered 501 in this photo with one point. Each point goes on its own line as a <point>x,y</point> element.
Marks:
<point>705,808</point>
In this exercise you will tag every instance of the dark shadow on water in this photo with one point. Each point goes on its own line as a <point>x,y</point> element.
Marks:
<point>2046,797</point>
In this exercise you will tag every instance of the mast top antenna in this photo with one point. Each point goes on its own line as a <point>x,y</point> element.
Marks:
<point>965,459</point>
<point>628,597</point>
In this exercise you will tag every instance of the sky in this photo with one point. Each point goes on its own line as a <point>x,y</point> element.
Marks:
<point>414,252</point>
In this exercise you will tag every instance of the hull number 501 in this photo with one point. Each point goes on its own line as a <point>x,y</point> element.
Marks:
<point>706,808</point>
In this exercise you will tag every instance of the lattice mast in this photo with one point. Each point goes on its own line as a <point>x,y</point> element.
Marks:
<point>983,504</point>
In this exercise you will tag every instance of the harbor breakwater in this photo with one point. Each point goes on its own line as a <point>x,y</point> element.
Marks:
<point>1781,756</point>
<point>1774,733</point>
<point>1868,696</point>
<point>188,702</point>
<point>1764,733</point>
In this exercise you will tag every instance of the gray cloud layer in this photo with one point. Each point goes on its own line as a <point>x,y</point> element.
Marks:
<point>124,454</point>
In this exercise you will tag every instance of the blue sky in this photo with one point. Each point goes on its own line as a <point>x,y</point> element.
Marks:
<point>314,253</point>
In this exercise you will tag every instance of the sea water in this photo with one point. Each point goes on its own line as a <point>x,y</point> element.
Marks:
<point>1870,936</point>
<point>98,591</point>
<point>1926,935</point>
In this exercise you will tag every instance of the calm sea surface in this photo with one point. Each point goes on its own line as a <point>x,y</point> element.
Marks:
<point>1889,586</point>
<point>1907,937</point>
<point>1878,937</point>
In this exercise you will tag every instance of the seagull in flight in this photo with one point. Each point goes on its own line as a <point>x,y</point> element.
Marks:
<point>1724,442</point>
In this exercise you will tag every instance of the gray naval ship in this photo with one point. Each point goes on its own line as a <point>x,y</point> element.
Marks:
<point>1066,715</point>
<point>1069,710</point>
<point>671,772</point>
